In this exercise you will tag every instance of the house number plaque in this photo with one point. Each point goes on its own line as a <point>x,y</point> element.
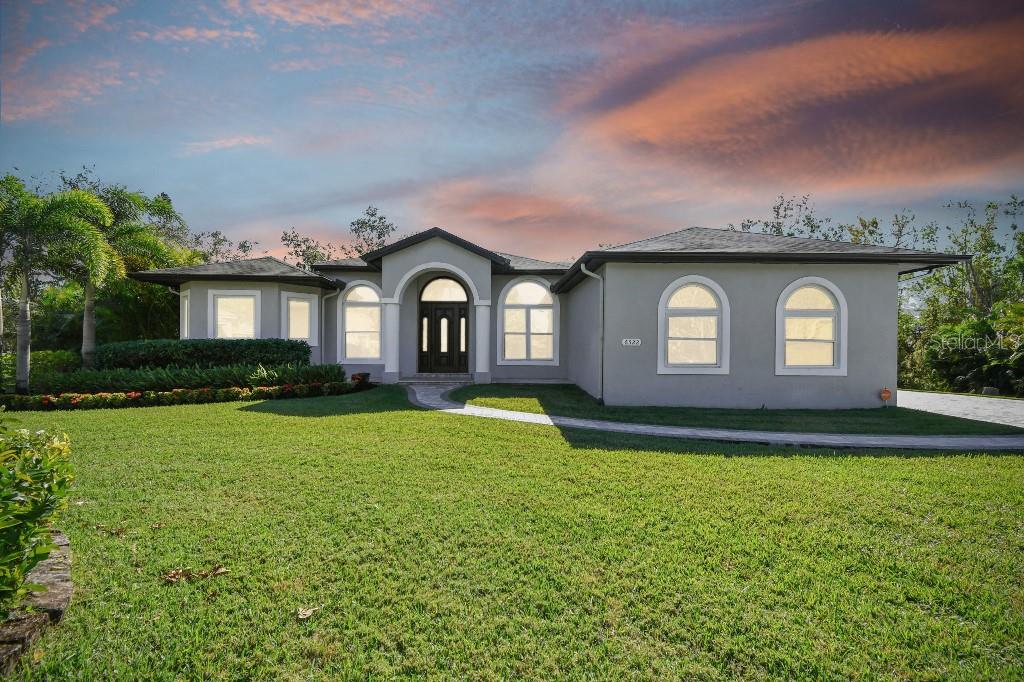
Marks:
<point>631,342</point>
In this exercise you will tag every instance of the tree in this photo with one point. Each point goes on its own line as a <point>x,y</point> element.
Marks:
<point>370,231</point>
<point>307,251</point>
<point>793,217</point>
<point>215,247</point>
<point>49,234</point>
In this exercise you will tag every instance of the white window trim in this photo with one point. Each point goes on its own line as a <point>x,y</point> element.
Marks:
<point>341,324</point>
<point>555,314</point>
<point>211,309</point>
<point>314,315</point>
<point>723,333</point>
<point>839,369</point>
<point>183,314</point>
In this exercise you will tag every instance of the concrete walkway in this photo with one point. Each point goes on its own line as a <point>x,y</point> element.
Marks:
<point>980,407</point>
<point>433,397</point>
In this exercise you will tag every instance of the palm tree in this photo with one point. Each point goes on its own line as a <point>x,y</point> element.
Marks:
<point>49,234</point>
<point>130,245</point>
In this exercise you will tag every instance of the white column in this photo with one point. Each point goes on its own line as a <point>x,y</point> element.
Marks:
<point>391,334</point>
<point>483,337</point>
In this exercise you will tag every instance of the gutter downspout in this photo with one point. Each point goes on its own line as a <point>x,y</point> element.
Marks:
<point>600,326</point>
<point>323,324</point>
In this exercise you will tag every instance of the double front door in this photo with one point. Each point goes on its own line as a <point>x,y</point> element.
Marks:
<point>443,337</point>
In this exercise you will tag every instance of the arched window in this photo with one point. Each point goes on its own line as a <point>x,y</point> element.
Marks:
<point>693,328</point>
<point>362,323</point>
<point>811,329</point>
<point>443,289</point>
<point>528,324</point>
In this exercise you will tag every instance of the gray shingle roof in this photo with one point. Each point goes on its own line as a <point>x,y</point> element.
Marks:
<point>706,245</point>
<point>266,268</point>
<point>523,263</point>
<point>343,263</point>
<point>705,239</point>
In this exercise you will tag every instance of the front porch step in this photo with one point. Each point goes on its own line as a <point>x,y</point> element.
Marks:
<point>437,378</point>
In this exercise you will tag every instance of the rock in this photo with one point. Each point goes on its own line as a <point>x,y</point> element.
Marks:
<point>23,628</point>
<point>990,390</point>
<point>9,655</point>
<point>55,574</point>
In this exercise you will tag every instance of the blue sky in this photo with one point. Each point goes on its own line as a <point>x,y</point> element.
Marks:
<point>534,128</point>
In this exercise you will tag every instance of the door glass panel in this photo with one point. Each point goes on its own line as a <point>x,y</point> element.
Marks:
<point>424,337</point>
<point>462,335</point>
<point>444,334</point>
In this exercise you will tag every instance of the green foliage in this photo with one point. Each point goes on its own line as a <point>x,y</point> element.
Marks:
<point>168,378</point>
<point>976,353</point>
<point>34,483</point>
<point>201,353</point>
<point>179,396</point>
<point>44,361</point>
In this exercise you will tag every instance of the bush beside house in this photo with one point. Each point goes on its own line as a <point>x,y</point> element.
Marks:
<point>183,396</point>
<point>201,353</point>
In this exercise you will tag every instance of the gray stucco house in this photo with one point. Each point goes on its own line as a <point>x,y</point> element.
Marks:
<point>698,317</point>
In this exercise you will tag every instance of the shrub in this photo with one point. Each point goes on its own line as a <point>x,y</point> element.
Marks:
<point>179,396</point>
<point>34,483</point>
<point>169,378</point>
<point>201,353</point>
<point>46,361</point>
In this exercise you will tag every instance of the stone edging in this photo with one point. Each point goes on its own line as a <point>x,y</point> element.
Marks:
<point>40,609</point>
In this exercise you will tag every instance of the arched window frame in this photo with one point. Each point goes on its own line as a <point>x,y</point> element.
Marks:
<point>342,305</point>
<point>723,328</point>
<point>555,320</point>
<point>842,325</point>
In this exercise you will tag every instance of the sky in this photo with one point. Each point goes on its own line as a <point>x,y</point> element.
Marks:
<point>536,128</point>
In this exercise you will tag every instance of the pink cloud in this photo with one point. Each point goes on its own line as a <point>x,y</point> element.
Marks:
<point>839,111</point>
<point>28,98</point>
<point>20,53</point>
<point>207,146</point>
<point>324,13</point>
<point>192,34</point>
<point>86,15</point>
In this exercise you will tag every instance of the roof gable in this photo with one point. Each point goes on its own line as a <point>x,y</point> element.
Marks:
<point>374,257</point>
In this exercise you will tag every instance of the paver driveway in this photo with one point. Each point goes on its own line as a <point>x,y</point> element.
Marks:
<point>984,408</point>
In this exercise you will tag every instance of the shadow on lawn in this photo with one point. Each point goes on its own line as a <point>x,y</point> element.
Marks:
<point>376,400</point>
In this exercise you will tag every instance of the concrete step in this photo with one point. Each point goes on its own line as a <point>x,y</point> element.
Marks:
<point>438,378</point>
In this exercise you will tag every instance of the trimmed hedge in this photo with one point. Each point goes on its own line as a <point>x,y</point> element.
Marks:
<point>181,396</point>
<point>169,378</point>
<point>35,476</point>
<point>201,353</point>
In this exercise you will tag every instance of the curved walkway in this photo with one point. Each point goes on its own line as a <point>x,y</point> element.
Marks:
<point>434,397</point>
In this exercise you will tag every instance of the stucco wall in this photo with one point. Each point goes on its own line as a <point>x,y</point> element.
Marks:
<point>396,266</point>
<point>270,308</point>
<point>581,310</point>
<point>632,295</point>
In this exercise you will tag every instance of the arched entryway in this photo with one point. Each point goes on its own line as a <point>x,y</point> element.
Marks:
<point>443,327</point>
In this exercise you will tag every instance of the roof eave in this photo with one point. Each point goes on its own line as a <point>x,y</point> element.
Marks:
<point>595,259</point>
<point>432,233</point>
<point>177,280</point>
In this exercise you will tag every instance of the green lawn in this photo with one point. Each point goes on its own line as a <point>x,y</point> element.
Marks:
<point>439,545</point>
<point>567,400</point>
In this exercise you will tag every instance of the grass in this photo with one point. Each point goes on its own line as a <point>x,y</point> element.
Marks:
<point>567,400</point>
<point>437,545</point>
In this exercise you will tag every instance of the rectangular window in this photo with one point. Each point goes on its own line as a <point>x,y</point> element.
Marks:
<point>362,331</point>
<point>235,316</point>
<point>529,333</point>
<point>299,319</point>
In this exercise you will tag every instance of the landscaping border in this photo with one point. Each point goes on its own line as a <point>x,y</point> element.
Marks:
<point>40,609</point>
<point>181,396</point>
